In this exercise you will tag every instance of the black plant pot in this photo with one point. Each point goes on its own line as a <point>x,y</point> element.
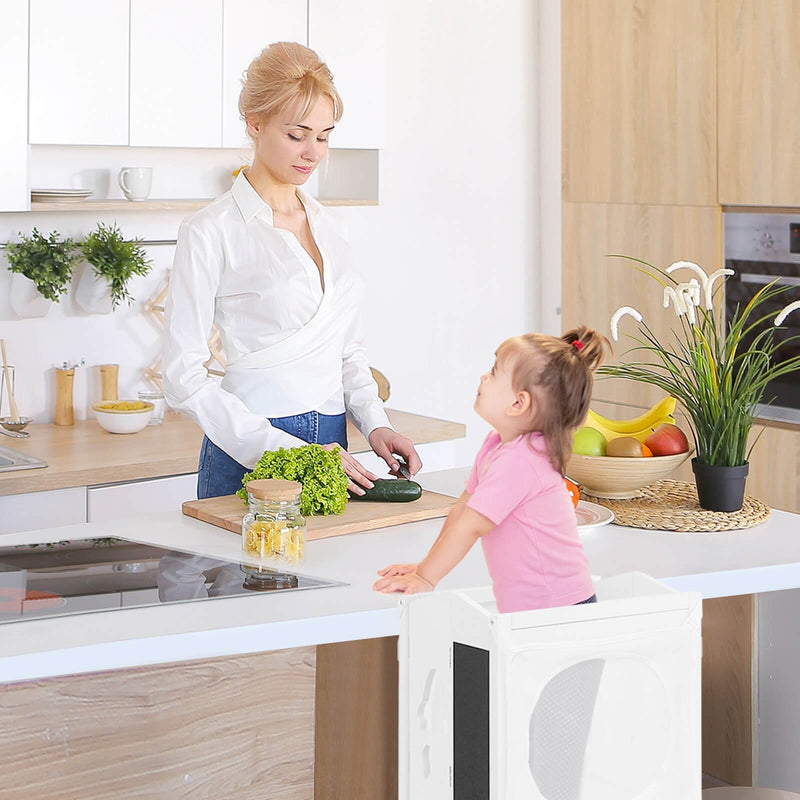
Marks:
<point>720,488</point>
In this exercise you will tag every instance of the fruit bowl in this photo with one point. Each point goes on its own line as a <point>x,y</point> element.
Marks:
<point>123,416</point>
<point>620,478</point>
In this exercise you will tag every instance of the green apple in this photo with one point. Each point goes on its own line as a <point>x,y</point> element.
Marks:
<point>589,442</point>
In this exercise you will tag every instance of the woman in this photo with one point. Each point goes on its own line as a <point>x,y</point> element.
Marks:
<point>265,263</point>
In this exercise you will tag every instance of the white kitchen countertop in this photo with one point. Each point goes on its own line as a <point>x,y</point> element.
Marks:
<point>760,559</point>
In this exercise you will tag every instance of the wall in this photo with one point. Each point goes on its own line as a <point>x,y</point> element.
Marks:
<point>451,252</point>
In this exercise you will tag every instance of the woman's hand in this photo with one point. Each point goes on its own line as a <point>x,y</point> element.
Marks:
<point>408,583</point>
<point>358,475</point>
<point>388,443</point>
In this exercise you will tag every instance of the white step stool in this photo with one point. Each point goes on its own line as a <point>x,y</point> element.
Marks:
<point>590,702</point>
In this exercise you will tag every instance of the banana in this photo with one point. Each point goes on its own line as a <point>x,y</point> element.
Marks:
<point>639,427</point>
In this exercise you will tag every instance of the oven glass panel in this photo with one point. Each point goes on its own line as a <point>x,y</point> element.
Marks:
<point>739,290</point>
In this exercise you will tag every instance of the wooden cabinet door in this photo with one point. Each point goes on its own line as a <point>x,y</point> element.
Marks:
<point>639,101</point>
<point>351,37</point>
<point>759,116</point>
<point>594,285</point>
<point>14,194</point>
<point>247,29</point>
<point>176,73</point>
<point>78,72</point>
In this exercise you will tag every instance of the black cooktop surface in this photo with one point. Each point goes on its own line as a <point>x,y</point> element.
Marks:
<point>90,575</point>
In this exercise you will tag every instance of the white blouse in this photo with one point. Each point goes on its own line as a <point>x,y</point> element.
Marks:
<point>289,346</point>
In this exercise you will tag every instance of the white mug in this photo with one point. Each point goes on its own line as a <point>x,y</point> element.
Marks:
<point>135,182</point>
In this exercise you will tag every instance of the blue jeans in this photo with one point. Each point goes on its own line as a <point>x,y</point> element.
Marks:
<point>218,474</point>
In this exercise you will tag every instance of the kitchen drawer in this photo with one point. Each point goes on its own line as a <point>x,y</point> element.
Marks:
<point>55,507</point>
<point>116,500</point>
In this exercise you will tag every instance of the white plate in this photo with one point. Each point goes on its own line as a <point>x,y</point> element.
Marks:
<point>59,195</point>
<point>590,515</point>
<point>62,192</point>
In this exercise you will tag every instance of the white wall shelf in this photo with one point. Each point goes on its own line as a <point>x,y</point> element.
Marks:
<point>166,205</point>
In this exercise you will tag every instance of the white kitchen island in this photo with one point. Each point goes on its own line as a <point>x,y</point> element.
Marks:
<point>123,645</point>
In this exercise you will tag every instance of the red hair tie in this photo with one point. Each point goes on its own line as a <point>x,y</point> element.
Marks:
<point>578,344</point>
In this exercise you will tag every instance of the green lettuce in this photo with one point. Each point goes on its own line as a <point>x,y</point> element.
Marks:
<point>320,471</point>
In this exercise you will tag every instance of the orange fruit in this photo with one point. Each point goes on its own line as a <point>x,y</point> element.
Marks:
<point>646,451</point>
<point>574,492</point>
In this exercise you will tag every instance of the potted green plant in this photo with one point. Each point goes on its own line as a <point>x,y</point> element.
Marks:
<point>718,372</point>
<point>41,268</point>
<point>113,261</point>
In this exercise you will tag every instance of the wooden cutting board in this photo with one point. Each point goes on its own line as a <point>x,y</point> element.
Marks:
<point>227,512</point>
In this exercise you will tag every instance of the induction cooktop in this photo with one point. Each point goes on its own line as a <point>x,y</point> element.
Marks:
<point>100,574</point>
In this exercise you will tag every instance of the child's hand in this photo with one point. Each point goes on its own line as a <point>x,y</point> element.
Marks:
<point>397,569</point>
<point>407,583</point>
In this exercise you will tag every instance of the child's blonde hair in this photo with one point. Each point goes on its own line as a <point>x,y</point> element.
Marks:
<point>558,374</point>
<point>283,74</point>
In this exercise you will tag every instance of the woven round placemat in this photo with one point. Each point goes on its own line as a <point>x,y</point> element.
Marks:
<point>672,506</point>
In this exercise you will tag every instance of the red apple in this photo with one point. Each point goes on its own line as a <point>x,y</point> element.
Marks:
<point>667,440</point>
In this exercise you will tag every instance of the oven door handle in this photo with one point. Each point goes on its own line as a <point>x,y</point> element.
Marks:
<point>783,280</point>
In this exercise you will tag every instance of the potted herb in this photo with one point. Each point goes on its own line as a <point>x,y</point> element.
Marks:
<point>41,268</point>
<point>718,372</point>
<point>114,260</point>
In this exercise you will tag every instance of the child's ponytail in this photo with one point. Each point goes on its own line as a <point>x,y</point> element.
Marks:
<point>589,345</point>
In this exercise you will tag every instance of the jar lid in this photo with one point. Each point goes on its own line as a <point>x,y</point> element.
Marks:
<point>274,489</point>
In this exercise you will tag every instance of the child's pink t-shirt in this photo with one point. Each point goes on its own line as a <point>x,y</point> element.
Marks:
<point>534,555</point>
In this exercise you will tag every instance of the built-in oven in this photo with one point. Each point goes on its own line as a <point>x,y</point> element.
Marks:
<point>761,248</point>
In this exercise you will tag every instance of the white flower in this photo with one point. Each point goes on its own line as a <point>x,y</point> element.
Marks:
<point>709,285</point>
<point>677,300</point>
<point>785,312</point>
<point>689,265</point>
<point>618,314</point>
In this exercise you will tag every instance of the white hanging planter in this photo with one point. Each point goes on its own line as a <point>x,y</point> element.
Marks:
<point>25,299</point>
<point>93,294</point>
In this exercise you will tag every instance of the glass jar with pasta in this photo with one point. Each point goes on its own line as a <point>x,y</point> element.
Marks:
<point>273,530</point>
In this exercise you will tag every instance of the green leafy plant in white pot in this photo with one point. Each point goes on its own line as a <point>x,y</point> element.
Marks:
<point>41,268</point>
<point>112,260</point>
<point>718,372</point>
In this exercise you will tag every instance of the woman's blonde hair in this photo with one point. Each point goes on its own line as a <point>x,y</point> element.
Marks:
<point>285,74</point>
<point>558,374</point>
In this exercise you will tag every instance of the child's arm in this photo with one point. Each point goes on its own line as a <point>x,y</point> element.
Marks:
<point>462,528</point>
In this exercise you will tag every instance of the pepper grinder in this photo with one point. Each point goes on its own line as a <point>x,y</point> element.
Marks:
<point>108,381</point>
<point>64,413</point>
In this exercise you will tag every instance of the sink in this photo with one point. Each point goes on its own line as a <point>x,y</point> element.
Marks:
<point>13,459</point>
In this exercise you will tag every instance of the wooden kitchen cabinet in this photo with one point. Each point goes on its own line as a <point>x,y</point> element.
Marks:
<point>594,285</point>
<point>351,36</point>
<point>759,117</point>
<point>639,101</point>
<point>78,72</point>
<point>14,193</point>
<point>247,29</point>
<point>176,73</point>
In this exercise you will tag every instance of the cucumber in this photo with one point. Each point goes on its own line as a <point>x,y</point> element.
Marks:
<point>390,490</point>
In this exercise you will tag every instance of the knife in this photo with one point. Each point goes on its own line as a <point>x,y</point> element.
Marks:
<point>402,469</point>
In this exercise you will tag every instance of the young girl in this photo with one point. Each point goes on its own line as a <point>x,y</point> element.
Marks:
<point>516,502</point>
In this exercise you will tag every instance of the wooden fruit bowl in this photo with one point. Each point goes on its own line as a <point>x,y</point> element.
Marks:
<point>620,478</point>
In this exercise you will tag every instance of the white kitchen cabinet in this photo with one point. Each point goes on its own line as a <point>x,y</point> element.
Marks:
<point>78,79</point>
<point>48,509</point>
<point>117,500</point>
<point>176,73</point>
<point>351,37</point>
<point>14,192</point>
<point>247,29</point>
